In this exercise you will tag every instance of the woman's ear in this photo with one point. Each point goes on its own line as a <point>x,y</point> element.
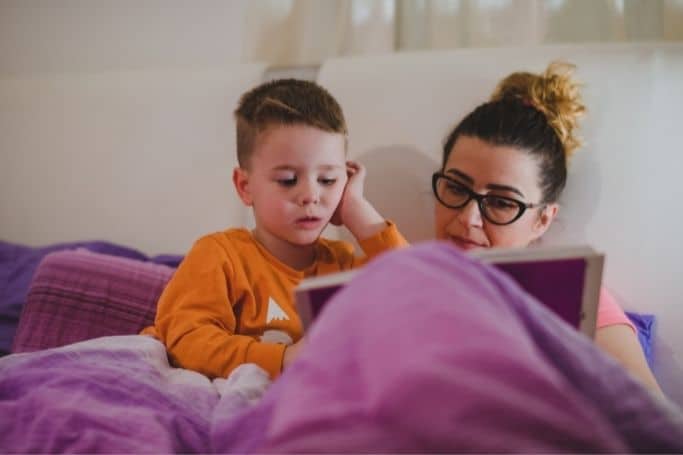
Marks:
<point>545,219</point>
<point>240,178</point>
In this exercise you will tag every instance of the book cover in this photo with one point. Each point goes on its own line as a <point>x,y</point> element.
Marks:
<point>313,293</point>
<point>565,279</point>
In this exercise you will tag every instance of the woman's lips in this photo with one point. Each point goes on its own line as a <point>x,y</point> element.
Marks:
<point>466,244</point>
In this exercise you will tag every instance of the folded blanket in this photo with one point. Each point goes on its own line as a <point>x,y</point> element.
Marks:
<point>426,350</point>
<point>116,395</point>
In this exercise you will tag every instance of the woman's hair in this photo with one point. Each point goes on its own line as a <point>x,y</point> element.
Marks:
<point>536,113</point>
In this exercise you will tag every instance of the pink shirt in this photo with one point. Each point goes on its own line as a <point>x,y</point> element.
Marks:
<point>610,313</point>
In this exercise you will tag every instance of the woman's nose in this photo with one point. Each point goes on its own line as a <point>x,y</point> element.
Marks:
<point>470,214</point>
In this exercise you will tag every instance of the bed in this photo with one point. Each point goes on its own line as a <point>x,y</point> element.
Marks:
<point>451,367</point>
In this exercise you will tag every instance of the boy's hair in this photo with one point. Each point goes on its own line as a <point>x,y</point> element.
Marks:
<point>284,102</point>
<point>536,113</point>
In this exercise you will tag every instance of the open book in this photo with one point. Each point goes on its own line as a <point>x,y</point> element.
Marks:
<point>566,279</point>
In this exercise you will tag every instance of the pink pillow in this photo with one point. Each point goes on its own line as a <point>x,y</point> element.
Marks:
<point>76,295</point>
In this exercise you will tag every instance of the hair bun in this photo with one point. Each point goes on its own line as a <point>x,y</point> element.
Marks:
<point>552,92</point>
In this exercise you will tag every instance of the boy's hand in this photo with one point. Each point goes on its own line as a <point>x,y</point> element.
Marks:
<point>354,211</point>
<point>353,189</point>
<point>291,353</point>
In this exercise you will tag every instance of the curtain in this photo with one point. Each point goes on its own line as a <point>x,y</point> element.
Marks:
<point>305,32</point>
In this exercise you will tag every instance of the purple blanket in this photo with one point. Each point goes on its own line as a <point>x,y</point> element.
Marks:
<point>116,395</point>
<point>424,351</point>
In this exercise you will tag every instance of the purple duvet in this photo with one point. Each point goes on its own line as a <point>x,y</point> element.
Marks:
<point>425,351</point>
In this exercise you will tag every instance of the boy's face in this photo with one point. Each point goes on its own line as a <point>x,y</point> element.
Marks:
<point>294,183</point>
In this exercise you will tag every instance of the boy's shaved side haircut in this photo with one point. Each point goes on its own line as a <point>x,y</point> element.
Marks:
<point>284,102</point>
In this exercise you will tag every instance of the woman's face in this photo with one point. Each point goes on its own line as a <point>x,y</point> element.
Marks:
<point>497,171</point>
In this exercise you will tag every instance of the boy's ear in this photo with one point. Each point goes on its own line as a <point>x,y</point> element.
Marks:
<point>240,178</point>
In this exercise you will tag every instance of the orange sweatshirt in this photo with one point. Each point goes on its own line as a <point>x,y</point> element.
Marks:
<point>231,302</point>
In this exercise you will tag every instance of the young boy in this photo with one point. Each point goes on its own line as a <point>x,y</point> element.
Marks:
<point>230,302</point>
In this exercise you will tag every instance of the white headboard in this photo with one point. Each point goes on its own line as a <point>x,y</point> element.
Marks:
<point>624,194</point>
<point>140,158</point>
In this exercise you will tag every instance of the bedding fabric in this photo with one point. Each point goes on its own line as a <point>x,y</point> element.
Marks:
<point>77,295</point>
<point>645,324</point>
<point>114,395</point>
<point>19,262</point>
<point>424,351</point>
<point>428,351</point>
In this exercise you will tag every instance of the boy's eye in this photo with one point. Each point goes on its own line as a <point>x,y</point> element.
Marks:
<point>287,182</point>
<point>327,182</point>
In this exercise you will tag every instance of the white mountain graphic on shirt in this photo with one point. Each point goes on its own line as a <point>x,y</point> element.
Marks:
<point>275,312</point>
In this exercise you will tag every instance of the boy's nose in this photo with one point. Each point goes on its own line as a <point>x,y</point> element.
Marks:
<point>309,194</point>
<point>470,215</point>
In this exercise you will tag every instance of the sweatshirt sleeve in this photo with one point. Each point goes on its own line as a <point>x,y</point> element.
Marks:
<point>196,321</point>
<point>387,239</point>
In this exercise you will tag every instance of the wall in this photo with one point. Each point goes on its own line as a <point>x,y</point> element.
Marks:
<point>116,120</point>
<point>44,36</point>
<point>140,158</point>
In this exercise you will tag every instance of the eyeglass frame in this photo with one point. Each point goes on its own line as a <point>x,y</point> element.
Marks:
<point>479,198</point>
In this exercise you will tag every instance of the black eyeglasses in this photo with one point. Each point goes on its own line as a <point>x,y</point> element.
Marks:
<point>498,210</point>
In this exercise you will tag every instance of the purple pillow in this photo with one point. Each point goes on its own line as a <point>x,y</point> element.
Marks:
<point>18,263</point>
<point>645,324</point>
<point>76,295</point>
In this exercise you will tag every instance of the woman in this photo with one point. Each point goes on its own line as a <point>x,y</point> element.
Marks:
<point>429,351</point>
<point>504,167</point>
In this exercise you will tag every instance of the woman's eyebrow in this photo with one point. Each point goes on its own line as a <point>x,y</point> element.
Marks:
<point>461,175</point>
<point>496,187</point>
<point>491,186</point>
